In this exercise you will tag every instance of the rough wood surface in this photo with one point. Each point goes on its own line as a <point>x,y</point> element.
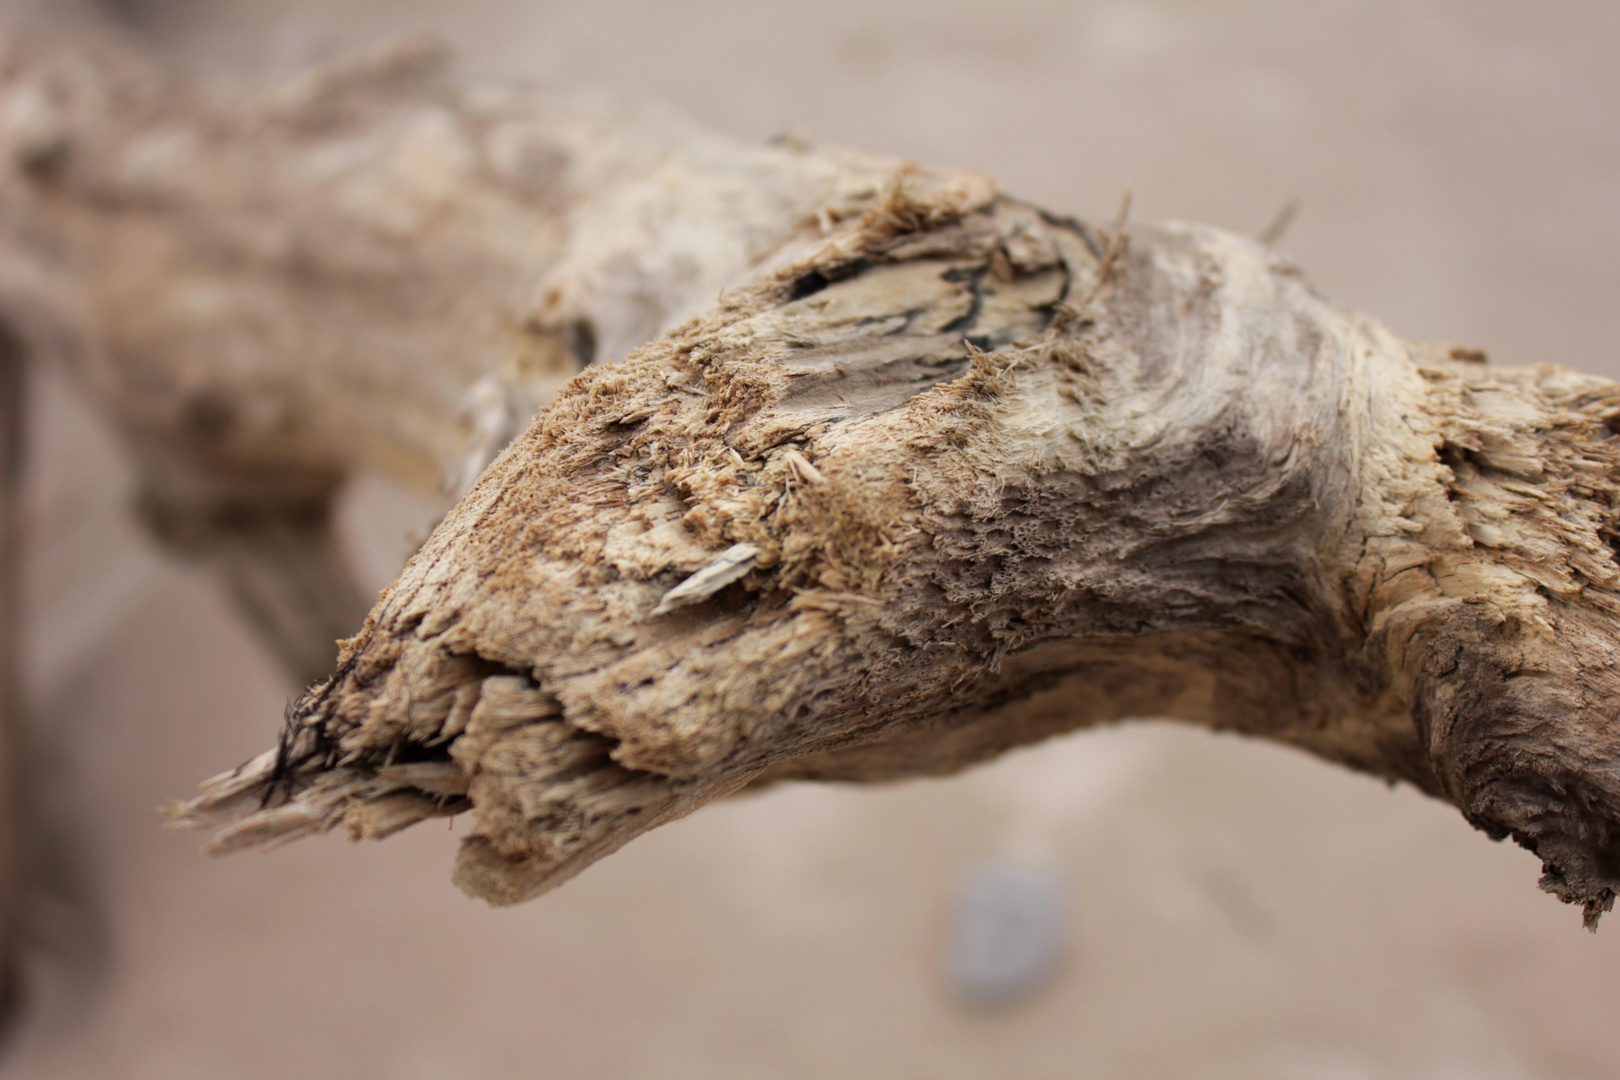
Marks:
<point>939,474</point>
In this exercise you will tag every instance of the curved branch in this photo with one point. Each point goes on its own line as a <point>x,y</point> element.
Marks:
<point>962,475</point>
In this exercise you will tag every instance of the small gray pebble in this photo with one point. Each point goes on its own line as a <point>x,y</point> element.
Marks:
<point>1006,934</point>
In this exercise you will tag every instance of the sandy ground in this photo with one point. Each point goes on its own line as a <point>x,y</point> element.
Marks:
<point>1233,910</point>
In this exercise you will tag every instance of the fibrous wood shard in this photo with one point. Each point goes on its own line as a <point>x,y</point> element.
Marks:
<point>730,565</point>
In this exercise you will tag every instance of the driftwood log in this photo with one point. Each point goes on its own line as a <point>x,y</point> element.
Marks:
<point>369,268</point>
<point>939,473</point>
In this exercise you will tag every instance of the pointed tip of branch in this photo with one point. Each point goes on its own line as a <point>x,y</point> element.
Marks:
<point>249,809</point>
<point>225,798</point>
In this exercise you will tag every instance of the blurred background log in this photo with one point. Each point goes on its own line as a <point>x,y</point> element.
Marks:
<point>372,265</point>
<point>13,413</point>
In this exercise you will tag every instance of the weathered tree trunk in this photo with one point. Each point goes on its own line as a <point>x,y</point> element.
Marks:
<point>940,473</point>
